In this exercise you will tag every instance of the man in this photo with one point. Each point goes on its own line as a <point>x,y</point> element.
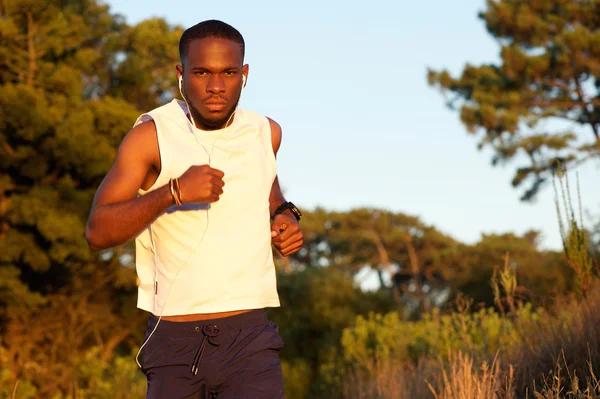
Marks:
<point>195,183</point>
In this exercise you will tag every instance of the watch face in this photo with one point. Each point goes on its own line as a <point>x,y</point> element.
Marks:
<point>295,210</point>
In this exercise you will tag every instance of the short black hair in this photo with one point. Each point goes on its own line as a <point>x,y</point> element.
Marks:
<point>210,28</point>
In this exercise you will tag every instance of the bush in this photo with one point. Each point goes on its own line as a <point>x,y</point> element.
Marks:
<point>484,354</point>
<point>91,378</point>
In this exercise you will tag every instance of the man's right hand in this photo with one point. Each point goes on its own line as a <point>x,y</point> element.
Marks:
<point>201,183</point>
<point>118,213</point>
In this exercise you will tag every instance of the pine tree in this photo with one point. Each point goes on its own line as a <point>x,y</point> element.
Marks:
<point>541,103</point>
<point>64,109</point>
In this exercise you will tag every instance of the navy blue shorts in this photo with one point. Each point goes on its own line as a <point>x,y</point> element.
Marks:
<point>232,357</point>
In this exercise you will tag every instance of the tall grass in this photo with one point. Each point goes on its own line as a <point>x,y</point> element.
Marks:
<point>557,357</point>
<point>575,238</point>
<point>547,354</point>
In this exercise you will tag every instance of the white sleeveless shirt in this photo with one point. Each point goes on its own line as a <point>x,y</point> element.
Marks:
<point>210,257</point>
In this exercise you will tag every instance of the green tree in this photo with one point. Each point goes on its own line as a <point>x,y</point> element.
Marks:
<point>541,274</point>
<point>316,305</point>
<point>395,244</point>
<point>369,237</point>
<point>50,154</point>
<point>420,258</point>
<point>540,104</point>
<point>144,71</point>
<point>62,118</point>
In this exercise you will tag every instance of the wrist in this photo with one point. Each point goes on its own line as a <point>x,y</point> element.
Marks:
<point>286,212</point>
<point>287,207</point>
<point>167,199</point>
<point>273,205</point>
<point>175,191</point>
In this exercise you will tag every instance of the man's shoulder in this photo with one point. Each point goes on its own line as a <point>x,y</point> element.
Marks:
<point>173,108</point>
<point>173,111</point>
<point>257,118</point>
<point>251,115</point>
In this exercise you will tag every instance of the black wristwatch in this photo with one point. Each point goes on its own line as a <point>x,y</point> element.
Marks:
<point>287,205</point>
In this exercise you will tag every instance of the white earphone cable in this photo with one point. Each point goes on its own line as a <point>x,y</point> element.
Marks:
<point>205,229</point>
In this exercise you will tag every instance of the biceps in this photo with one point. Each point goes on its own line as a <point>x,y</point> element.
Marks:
<point>135,159</point>
<point>275,135</point>
<point>121,183</point>
<point>134,162</point>
<point>275,189</point>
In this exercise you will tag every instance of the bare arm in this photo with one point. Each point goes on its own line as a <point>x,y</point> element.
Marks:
<point>285,230</point>
<point>276,197</point>
<point>118,214</point>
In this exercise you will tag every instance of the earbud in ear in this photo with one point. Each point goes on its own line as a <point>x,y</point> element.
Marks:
<point>180,82</point>
<point>243,81</point>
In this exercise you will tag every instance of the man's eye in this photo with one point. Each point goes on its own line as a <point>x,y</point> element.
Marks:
<point>200,73</point>
<point>230,73</point>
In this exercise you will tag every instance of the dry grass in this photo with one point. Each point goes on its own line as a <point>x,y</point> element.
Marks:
<point>431,379</point>
<point>570,387</point>
<point>460,380</point>
<point>387,379</point>
<point>565,351</point>
<point>560,358</point>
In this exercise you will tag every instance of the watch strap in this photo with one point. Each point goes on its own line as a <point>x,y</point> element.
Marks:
<point>287,205</point>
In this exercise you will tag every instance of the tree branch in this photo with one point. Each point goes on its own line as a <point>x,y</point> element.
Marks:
<point>412,255</point>
<point>8,148</point>
<point>31,31</point>
<point>558,104</point>
<point>113,342</point>
<point>383,254</point>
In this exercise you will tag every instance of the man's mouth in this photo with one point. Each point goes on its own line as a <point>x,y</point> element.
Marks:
<point>215,106</point>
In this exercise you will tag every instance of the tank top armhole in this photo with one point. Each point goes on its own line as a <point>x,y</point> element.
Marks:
<point>268,145</point>
<point>163,151</point>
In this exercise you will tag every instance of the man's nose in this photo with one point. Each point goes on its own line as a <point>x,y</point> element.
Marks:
<point>215,84</point>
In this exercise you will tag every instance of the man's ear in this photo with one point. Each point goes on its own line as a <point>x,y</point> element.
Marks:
<point>178,71</point>
<point>245,70</point>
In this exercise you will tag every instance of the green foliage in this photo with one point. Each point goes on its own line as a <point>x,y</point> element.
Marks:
<point>146,74</point>
<point>542,274</point>
<point>62,117</point>
<point>53,149</point>
<point>14,292</point>
<point>576,244</point>
<point>316,305</point>
<point>96,379</point>
<point>548,71</point>
<point>482,332</point>
<point>463,355</point>
<point>384,240</point>
<point>504,286</point>
<point>74,77</point>
<point>368,236</point>
<point>92,378</point>
<point>298,377</point>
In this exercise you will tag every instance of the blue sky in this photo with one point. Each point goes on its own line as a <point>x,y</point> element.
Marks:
<point>361,127</point>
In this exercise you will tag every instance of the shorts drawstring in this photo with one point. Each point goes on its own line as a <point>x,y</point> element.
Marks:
<point>210,332</point>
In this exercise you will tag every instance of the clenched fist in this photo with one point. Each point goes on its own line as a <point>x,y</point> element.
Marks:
<point>201,183</point>
<point>286,234</point>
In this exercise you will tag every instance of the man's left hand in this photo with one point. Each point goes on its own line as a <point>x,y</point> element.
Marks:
<point>286,234</point>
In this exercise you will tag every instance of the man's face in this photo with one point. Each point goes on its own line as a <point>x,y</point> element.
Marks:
<point>212,80</point>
